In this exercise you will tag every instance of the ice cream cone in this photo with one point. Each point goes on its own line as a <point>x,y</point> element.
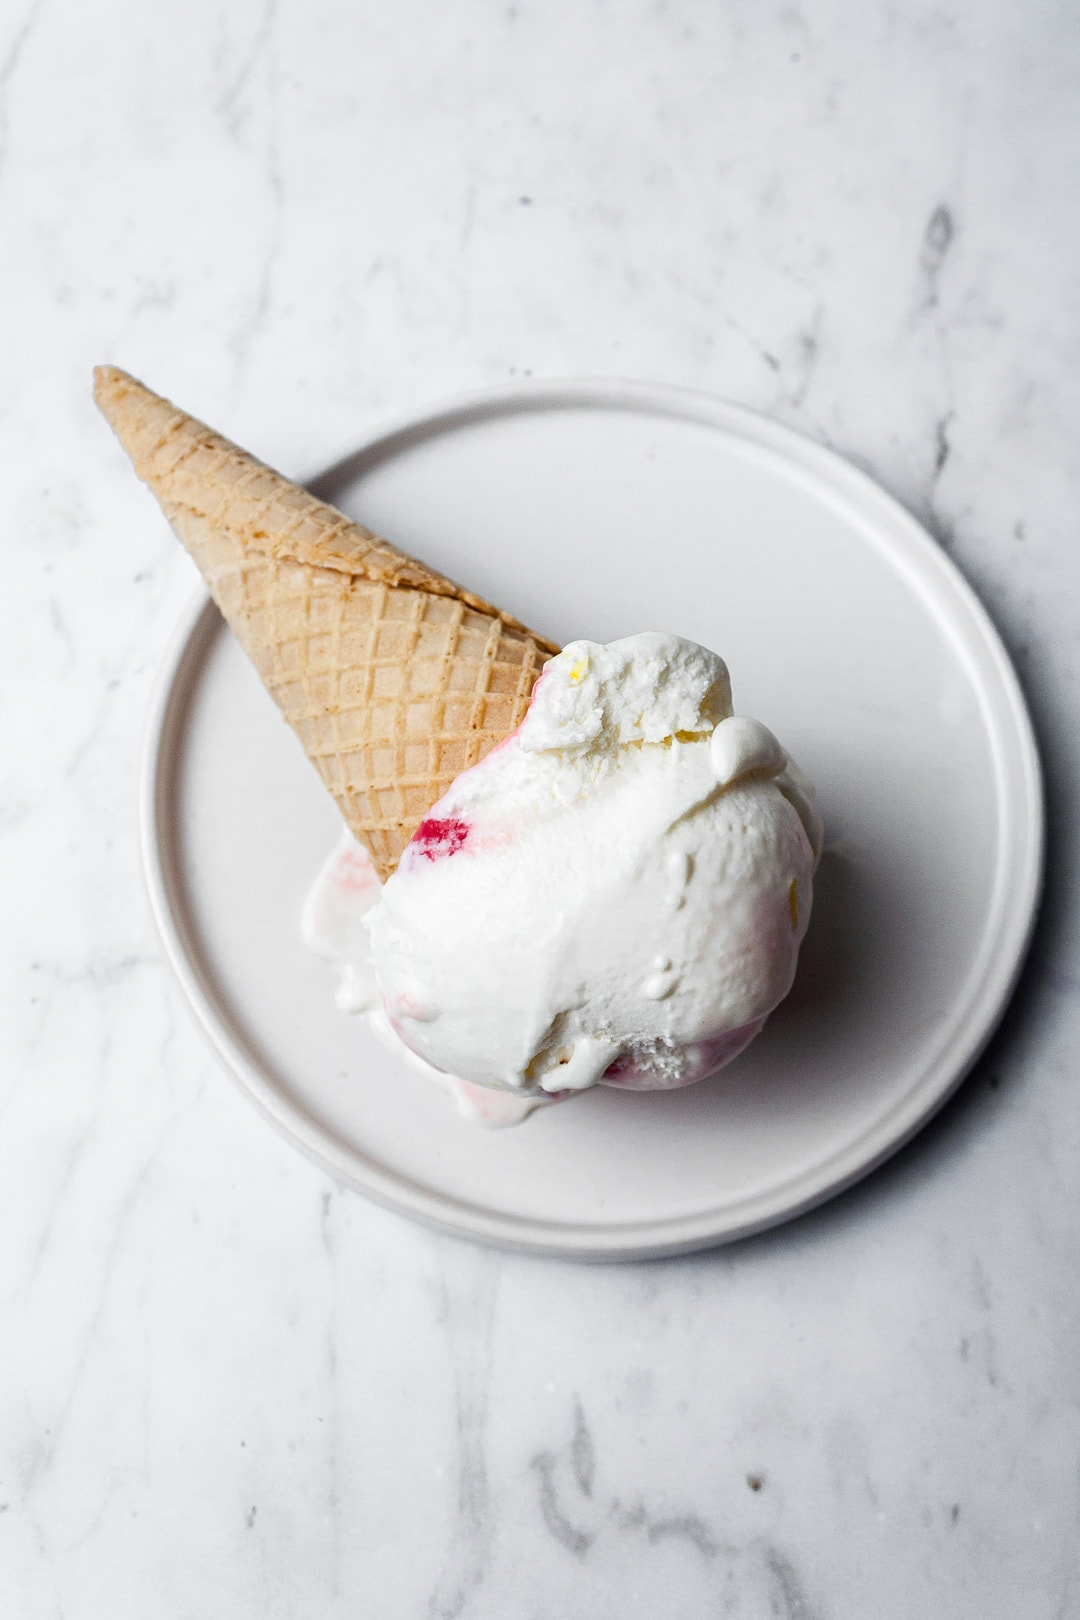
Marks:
<point>394,678</point>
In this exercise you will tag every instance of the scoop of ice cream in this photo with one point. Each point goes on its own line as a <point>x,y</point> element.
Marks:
<point>616,894</point>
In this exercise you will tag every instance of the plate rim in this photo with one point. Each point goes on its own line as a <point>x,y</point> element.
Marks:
<point>1020,791</point>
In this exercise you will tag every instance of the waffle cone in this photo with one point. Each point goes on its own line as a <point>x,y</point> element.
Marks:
<point>394,678</point>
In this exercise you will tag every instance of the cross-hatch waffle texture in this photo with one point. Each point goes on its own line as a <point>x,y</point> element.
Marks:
<point>394,678</point>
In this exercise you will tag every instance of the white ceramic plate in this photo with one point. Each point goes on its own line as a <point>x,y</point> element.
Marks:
<point>599,509</point>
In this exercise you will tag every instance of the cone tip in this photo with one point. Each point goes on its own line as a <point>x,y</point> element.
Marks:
<point>110,385</point>
<point>106,377</point>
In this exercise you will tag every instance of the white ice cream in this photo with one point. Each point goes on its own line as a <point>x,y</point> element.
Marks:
<point>616,894</point>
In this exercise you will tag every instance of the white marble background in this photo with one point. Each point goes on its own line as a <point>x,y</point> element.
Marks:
<point>226,1386</point>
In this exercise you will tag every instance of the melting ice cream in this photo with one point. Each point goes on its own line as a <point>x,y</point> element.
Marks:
<point>615,895</point>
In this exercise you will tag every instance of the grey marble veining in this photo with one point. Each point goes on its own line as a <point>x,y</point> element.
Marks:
<point>227,1387</point>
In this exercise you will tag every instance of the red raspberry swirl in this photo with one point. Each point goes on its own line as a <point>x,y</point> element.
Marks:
<point>436,840</point>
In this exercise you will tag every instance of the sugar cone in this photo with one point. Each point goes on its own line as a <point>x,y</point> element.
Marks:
<point>394,678</point>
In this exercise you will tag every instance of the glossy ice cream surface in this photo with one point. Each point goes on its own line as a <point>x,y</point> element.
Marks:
<point>615,895</point>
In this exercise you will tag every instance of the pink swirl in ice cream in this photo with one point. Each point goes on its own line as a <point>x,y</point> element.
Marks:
<point>615,895</point>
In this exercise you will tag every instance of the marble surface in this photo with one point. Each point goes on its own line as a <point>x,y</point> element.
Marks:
<point>226,1386</point>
